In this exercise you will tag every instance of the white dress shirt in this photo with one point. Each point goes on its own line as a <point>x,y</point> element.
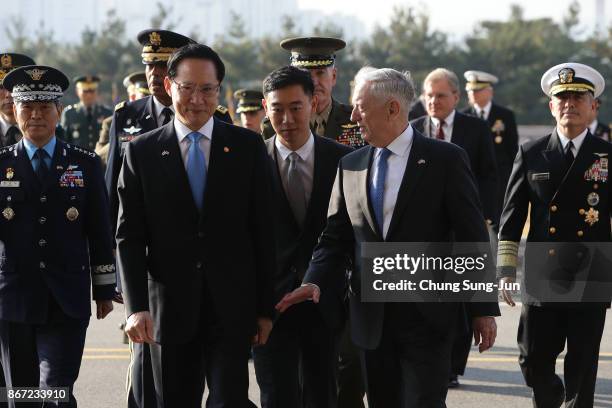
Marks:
<point>396,167</point>
<point>447,128</point>
<point>486,110</point>
<point>184,142</point>
<point>577,141</point>
<point>159,108</point>
<point>305,163</point>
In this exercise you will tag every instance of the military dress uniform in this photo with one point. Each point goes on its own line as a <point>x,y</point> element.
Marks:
<point>335,123</point>
<point>82,124</point>
<point>602,131</point>
<point>56,246</point>
<point>570,208</point>
<point>502,123</point>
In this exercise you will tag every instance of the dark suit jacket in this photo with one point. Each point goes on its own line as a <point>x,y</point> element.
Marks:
<point>472,135</point>
<point>504,134</point>
<point>175,260</point>
<point>442,185</point>
<point>538,181</point>
<point>294,245</point>
<point>44,252</point>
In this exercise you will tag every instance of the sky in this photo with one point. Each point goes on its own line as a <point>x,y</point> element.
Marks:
<point>467,12</point>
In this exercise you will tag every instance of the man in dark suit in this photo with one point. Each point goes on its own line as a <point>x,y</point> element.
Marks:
<point>378,196</point>
<point>297,367</point>
<point>56,241</point>
<point>441,92</point>
<point>193,241</point>
<point>502,125</point>
<point>563,177</point>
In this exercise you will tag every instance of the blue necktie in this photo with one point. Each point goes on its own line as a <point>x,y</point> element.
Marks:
<point>41,167</point>
<point>377,190</point>
<point>196,168</point>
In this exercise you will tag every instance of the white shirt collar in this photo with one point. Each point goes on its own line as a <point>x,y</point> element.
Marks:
<point>401,144</point>
<point>577,141</point>
<point>182,131</point>
<point>486,109</point>
<point>448,121</point>
<point>159,107</point>
<point>593,126</point>
<point>304,152</point>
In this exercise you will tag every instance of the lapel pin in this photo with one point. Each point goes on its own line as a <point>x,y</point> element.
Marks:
<point>226,149</point>
<point>165,153</point>
<point>148,117</point>
<point>421,161</point>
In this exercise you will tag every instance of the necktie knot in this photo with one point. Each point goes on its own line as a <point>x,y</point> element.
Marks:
<point>293,158</point>
<point>385,153</point>
<point>194,136</point>
<point>440,134</point>
<point>41,154</point>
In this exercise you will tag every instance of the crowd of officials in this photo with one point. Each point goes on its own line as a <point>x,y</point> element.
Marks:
<point>228,242</point>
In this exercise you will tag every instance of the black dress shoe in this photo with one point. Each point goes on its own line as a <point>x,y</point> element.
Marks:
<point>453,381</point>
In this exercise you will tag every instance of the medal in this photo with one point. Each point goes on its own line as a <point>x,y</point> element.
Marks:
<point>591,216</point>
<point>593,199</point>
<point>72,214</point>
<point>9,173</point>
<point>498,139</point>
<point>8,213</point>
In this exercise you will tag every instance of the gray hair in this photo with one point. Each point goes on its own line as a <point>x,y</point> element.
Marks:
<point>445,74</point>
<point>388,83</point>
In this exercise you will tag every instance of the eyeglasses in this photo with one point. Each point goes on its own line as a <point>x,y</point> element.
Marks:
<point>187,90</point>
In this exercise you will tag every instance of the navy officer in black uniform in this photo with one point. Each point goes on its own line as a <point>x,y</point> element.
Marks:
<point>562,181</point>
<point>55,240</point>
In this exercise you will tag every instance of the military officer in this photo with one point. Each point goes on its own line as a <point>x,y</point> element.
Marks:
<point>9,131</point>
<point>250,109</point>
<point>82,121</point>
<point>331,118</point>
<point>136,87</point>
<point>563,177</point>
<point>502,123</point>
<point>56,240</point>
<point>598,128</point>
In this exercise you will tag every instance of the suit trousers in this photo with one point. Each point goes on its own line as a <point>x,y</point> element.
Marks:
<point>140,386</point>
<point>410,366</point>
<point>351,388</point>
<point>297,366</point>
<point>43,355</point>
<point>180,371</point>
<point>542,335</point>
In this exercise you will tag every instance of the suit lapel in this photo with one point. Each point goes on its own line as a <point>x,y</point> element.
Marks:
<point>319,162</point>
<point>427,126</point>
<point>363,181</point>
<point>417,160</point>
<point>458,134</point>
<point>148,119</point>
<point>220,150</point>
<point>278,182</point>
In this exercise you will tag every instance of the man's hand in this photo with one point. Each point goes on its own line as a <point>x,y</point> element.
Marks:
<point>506,294</point>
<point>264,327</point>
<point>485,331</point>
<point>299,295</point>
<point>139,327</point>
<point>103,308</point>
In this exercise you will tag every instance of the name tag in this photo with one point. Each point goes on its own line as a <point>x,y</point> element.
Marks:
<point>7,183</point>
<point>540,176</point>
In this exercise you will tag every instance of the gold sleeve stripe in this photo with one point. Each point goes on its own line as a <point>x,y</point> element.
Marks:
<point>507,254</point>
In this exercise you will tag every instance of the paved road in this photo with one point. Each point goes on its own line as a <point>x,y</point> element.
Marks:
<point>492,379</point>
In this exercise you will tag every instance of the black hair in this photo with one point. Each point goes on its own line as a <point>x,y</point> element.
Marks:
<point>199,51</point>
<point>287,76</point>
